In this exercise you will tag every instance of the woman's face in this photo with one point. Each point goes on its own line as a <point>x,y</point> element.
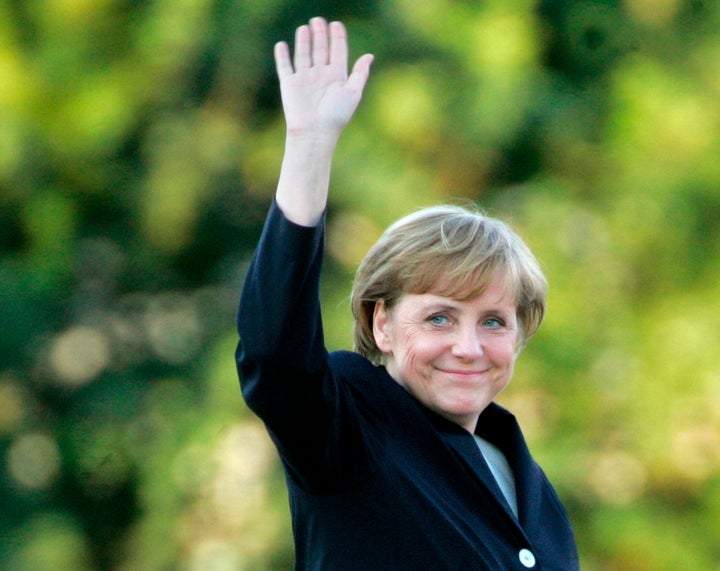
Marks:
<point>453,356</point>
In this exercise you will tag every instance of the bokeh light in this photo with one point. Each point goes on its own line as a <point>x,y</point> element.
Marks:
<point>139,150</point>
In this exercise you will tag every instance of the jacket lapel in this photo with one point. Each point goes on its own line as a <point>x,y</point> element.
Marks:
<point>468,452</point>
<point>501,428</point>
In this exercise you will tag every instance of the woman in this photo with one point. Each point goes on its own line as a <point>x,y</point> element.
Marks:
<point>395,456</point>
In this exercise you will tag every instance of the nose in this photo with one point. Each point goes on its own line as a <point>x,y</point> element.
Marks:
<point>468,343</point>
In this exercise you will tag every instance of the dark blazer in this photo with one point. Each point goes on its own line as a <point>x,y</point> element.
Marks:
<point>377,481</point>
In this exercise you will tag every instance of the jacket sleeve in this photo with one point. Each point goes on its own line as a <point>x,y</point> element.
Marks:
<point>282,362</point>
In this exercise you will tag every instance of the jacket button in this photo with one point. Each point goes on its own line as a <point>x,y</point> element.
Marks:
<point>527,558</point>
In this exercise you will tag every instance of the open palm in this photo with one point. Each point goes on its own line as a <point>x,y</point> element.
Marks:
<point>318,95</point>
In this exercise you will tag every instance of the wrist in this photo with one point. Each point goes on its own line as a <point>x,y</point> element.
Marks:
<point>305,176</point>
<point>315,140</point>
<point>311,152</point>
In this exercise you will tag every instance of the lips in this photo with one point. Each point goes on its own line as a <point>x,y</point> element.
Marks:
<point>464,372</point>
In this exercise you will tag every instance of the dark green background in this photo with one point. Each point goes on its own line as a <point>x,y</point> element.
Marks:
<point>139,147</point>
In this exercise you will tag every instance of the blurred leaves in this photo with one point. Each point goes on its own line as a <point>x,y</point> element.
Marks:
<point>139,148</point>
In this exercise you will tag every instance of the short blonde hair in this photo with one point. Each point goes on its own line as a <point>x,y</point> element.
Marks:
<point>451,251</point>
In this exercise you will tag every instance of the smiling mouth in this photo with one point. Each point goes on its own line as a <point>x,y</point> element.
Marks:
<point>464,372</point>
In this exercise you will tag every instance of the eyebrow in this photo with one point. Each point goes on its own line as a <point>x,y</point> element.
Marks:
<point>453,305</point>
<point>440,306</point>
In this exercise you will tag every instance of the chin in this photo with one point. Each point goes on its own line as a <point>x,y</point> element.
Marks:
<point>460,414</point>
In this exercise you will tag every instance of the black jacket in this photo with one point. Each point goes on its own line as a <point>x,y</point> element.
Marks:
<point>376,480</point>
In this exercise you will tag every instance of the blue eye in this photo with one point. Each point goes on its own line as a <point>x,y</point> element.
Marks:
<point>438,319</point>
<point>492,322</point>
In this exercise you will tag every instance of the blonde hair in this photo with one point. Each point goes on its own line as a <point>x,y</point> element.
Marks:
<point>450,251</point>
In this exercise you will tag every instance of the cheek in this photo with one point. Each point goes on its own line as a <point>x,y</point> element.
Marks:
<point>511,367</point>
<point>420,347</point>
<point>506,354</point>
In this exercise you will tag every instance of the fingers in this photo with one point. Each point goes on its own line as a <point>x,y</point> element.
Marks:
<point>303,59</point>
<point>319,29</point>
<point>338,44</point>
<point>318,43</point>
<point>282,60</point>
<point>311,44</point>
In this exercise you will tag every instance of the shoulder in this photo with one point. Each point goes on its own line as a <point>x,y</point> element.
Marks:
<point>351,361</point>
<point>368,382</point>
<point>373,389</point>
<point>359,374</point>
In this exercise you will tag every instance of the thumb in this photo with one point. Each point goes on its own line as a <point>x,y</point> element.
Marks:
<point>360,73</point>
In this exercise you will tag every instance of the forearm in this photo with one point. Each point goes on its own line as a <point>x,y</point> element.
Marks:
<point>305,176</point>
<point>278,317</point>
<point>319,98</point>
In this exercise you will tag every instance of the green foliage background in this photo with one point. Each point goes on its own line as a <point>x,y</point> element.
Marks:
<point>139,147</point>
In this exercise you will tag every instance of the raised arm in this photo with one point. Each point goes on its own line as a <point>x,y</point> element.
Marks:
<point>319,98</point>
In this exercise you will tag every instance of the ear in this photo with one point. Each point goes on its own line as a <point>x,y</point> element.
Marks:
<point>382,327</point>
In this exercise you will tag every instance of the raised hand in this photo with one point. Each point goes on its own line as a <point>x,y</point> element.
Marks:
<point>318,95</point>
<point>319,98</point>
